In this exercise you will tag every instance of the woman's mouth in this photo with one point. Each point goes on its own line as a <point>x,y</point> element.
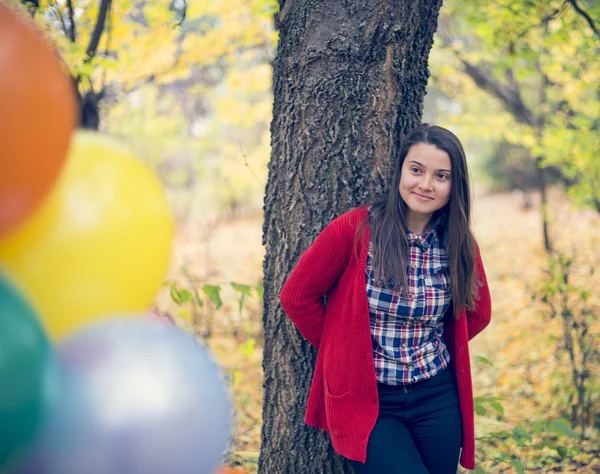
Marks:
<point>422,197</point>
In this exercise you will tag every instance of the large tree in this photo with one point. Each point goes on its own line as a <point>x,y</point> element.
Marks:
<point>349,81</point>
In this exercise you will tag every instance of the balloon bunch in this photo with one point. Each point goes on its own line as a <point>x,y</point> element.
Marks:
<point>89,385</point>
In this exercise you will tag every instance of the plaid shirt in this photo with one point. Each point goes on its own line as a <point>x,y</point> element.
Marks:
<point>407,332</point>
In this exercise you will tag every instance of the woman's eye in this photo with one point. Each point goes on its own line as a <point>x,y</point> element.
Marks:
<point>443,177</point>
<point>414,169</point>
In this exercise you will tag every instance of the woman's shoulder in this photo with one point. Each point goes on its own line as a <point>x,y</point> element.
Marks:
<point>349,220</point>
<point>354,215</point>
<point>477,249</point>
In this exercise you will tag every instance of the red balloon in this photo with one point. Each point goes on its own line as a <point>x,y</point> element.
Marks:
<point>37,117</point>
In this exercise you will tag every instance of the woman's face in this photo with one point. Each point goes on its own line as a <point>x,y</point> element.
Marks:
<point>426,179</point>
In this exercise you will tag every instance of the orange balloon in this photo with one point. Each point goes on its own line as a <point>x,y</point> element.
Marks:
<point>37,116</point>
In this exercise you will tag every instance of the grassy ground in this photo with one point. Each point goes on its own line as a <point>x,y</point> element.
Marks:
<point>528,370</point>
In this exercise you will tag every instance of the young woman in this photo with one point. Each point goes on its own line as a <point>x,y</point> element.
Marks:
<point>406,291</point>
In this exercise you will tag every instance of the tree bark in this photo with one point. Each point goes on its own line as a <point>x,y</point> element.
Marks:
<point>349,81</point>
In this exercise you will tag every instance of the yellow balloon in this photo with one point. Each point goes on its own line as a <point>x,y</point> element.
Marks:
<point>99,245</point>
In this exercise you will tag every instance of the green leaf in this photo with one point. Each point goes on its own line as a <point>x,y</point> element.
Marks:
<point>522,434</point>
<point>244,291</point>
<point>518,465</point>
<point>199,301</point>
<point>562,427</point>
<point>539,426</point>
<point>184,314</point>
<point>585,296</point>
<point>236,377</point>
<point>249,347</point>
<point>503,434</point>
<point>175,294</point>
<point>483,360</point>
<point>260,291</point>
<point>240,288</point>
<point>185,296</point>
<point>498,407</point>
<point>562,451</point>
<point>214,294</point>
<point>480,410</point>
<point>241,303</point>
<point>479,470</point>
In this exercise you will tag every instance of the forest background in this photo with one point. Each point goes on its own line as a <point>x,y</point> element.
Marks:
<point>188,85</point>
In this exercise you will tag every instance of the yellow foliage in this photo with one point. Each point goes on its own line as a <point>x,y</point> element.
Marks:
<point>144,40</point>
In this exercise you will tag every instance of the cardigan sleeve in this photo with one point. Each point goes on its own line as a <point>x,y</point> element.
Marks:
<point>480,316</point>
<point>302,296</point>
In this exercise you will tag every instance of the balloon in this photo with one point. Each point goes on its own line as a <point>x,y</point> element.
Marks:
<point>138,397</point>
<point>26,365</point>
<point>38,113</point>
<point>101,242</point>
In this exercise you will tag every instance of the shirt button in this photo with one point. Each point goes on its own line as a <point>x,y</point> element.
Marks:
<point>415,266</point>
<point>403,346</point>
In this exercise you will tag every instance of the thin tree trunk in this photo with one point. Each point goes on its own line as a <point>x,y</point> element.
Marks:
<point>349,81</point>
<point>544,205</point>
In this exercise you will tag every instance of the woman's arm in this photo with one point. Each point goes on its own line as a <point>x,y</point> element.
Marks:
<point>316,272</point>
<point>479,318</point>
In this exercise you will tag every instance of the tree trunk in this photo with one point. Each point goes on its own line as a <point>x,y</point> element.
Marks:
<point>544,206</point>
<point>89,110</point>
<point>349,81</point>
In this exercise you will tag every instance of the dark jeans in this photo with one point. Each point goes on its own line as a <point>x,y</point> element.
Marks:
<point>418,431</point>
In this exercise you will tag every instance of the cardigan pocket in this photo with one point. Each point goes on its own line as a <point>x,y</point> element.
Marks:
<point>331,394</point>
<point>338,409</point>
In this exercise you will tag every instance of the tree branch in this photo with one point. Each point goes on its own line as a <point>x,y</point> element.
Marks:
<point>31,6</point>
<point>98,28</point>
<point>544,21</point>
<point>589,20</point>
<point>510,97</point>
<point>183,14</point>
<point>109,31</point>
<point>72,33</point>
<point>59,14</point>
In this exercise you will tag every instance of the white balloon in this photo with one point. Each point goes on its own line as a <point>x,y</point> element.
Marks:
<point>136,396</point>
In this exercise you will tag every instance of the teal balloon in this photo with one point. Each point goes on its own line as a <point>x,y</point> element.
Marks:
<point>25,372</point>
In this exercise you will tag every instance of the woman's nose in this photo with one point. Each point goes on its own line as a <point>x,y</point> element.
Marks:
<point>426,182</point>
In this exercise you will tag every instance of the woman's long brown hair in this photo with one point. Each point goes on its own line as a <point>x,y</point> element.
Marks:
<point>388,232</point>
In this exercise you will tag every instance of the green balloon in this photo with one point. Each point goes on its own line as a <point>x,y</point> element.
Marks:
<point>26,369</point>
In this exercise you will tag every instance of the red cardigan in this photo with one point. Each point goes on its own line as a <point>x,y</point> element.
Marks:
<point>343,396</point>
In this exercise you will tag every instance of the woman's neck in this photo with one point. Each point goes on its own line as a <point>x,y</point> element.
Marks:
<point>418,223</point>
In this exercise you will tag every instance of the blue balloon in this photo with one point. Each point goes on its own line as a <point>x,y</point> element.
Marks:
<point>136,396</point>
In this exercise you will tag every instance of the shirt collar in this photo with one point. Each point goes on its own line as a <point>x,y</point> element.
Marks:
<point>425,239</point>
